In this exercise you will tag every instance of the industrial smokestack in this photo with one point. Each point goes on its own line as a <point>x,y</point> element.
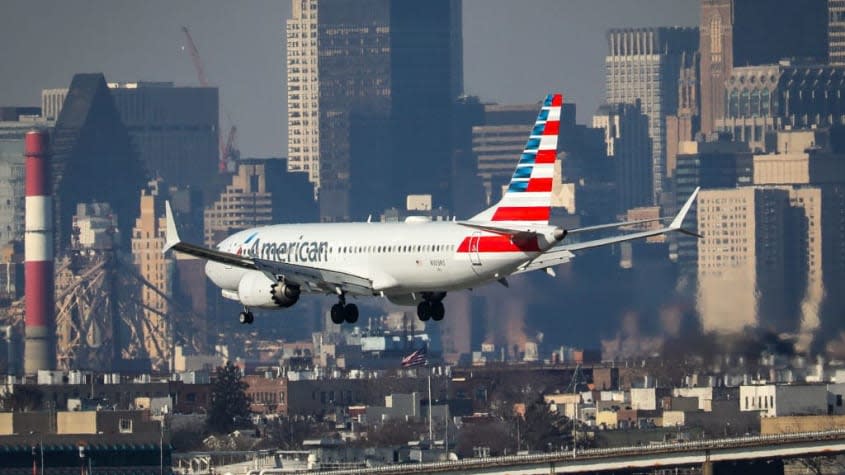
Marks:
<point>39,348</point>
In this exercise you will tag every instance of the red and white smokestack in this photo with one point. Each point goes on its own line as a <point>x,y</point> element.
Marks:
<point>39,349</point>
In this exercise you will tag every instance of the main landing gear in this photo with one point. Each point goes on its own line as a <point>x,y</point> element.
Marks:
<point>343,312</point>
<point>246,317</point>
<point>431,308</point>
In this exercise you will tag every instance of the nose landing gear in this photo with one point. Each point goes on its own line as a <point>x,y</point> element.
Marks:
<point>246,317</point>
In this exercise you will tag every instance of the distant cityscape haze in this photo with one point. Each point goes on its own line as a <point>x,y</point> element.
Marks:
<point>514,52</point>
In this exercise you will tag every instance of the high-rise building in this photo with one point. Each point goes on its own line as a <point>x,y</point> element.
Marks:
<point>262,192</point>
<point>371,86</point>
<point>751,33</point>
<point>174,130</point>
<point>644,65</point>
<point>808,165</point>
<point>303,90</point>
<point>764,99</point>
<point>93,156</point>
<point>741,258</point>
<point>52,101</point>
<point>720,163</point>
<point>496,143</point>
<point>147,244</point>
<point>836,32</point>
<point>626,134</point>
<point>469,197</point>
<point>13,127</point>
<point>801,157</point>
<point>685,124</point>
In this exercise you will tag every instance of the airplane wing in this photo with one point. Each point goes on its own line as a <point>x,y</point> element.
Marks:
<point>563,252</point>
<point>675,225</point>
<point>310,278</point>
<point>615,225</point>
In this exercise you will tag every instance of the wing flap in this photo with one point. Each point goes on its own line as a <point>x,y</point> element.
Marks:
<point>315,277</point>
<point>551,258</point>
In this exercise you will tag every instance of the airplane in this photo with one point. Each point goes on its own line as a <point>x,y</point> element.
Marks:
<point>411,263</point>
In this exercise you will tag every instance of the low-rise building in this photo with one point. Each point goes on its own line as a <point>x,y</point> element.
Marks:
<point>784,400</point>
<point>607,419</point>
<point>267,395</point>
<point>119,442</point>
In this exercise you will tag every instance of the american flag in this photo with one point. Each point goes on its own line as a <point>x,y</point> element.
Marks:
<point>417,358</point>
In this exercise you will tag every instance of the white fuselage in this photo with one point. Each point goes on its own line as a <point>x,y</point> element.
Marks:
<point>399,258</point>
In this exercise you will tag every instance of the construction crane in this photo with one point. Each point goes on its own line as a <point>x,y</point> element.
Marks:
<point>228,151</point>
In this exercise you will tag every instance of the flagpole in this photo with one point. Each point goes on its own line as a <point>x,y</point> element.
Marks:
<point>430,410</point>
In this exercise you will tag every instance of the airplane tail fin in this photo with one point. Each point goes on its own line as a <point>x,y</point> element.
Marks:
<point>527,199</point>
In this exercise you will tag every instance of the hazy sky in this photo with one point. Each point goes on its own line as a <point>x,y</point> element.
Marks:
<point>514,51</point>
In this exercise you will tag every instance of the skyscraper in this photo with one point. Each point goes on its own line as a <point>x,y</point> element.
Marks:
<point>497,141</point>
<point>629,148</point>
<point>152,265</point>
<point>303,91</point>
<point>13,128</point>
<point>741,259</point>
<point>262,192</point>
<point>809,167</point>
<point>764,99</point>
<point>371,85</point>
<point>720,163</point>
<point>644,65</point>
<point>686,122</point>
<point>751,33</point>
<point>836,32</point>
<point>93,157</point>
<point>174,130</point>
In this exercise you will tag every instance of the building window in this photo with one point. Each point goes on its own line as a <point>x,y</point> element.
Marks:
<point>716,39</point>
<point>765,103</point>
<point>125,426</point>
<point>744,104</point>
<point>733,104</point>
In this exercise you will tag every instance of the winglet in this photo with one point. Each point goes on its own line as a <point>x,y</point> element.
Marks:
<point>171,234</point>
<point>679,218</point>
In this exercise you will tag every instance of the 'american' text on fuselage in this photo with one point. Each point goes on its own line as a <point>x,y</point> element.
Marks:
<point>294,251</point>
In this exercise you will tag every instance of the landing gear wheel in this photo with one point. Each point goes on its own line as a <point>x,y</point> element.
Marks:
<point>437,311</point>
<point>424,310</point>
<point>350,313</point>
<point>337,314</point>
<point>246,317</point>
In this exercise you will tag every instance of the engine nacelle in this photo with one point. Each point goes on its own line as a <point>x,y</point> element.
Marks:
<point>256,289</point>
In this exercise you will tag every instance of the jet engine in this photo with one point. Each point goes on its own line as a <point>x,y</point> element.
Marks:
<point>256,289</point>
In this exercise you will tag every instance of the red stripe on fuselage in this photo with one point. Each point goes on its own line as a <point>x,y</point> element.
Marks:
<point>501,243</point>
<point>522,213</point>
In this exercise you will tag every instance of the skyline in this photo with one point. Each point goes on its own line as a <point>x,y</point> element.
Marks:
<point>147,44</point>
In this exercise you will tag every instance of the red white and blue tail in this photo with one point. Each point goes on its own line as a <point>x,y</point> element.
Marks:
<point>528,197</point>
